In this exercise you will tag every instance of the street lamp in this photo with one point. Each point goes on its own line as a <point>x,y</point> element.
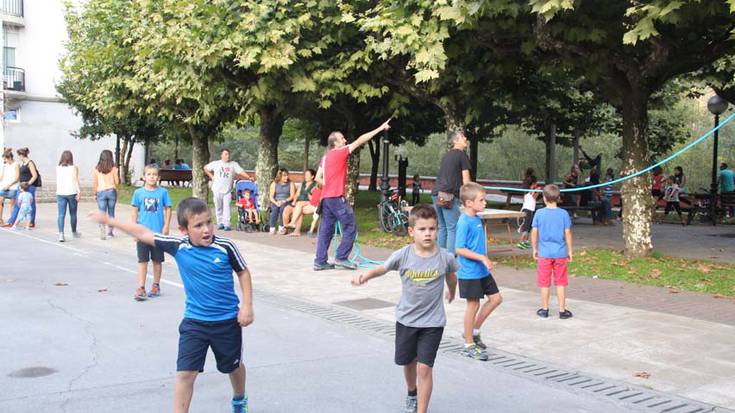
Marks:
<point>385,179</point>
<point>716,105</point>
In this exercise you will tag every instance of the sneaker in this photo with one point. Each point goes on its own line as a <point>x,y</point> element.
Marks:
<point>543,312</point>
<point>220,227</point>
<point>565,314</point>
<point>474,352</point>
<point>345,264</point>
<point>103,236</point>
<point>61,237</point>
<point>140,294</point>
<point>311,234</point>
<point>227,228</point>
<point>478,341</point>
<point>325,266</point>
<point>412,404</point>
<point>240,406</point>
<point>155,291</point>
<point>7,225</point>
<point>523,245</point>
<point>110,234</point>
<point>272,231</point>
<point>76,234</point>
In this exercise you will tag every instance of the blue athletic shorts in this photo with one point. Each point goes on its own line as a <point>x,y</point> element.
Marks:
<point>195,338</point>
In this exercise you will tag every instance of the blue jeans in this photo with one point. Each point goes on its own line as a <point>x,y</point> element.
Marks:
<point>277,212</point>
<point>335,210</point>
<point>14,215</point>
<point>447,218</point>
<point>106,201</point>
<point>62,202</point>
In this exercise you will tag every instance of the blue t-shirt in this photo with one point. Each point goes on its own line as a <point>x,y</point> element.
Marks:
<point>471,235</point>
<point>207,276</point>
<point>727,180</point>
<point>150,206</point>
<point>551,223</point>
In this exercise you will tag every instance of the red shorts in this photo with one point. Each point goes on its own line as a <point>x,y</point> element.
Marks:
<point>549,266</point>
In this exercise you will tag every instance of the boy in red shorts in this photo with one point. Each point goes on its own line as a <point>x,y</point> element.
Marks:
<point>551,238</point>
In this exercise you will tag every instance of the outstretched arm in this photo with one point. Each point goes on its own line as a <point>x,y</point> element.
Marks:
<point>136,231</point>
<point>364,138</point>
<point>362,279</point>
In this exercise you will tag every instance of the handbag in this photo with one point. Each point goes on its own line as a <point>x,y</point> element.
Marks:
<point>444,199</point>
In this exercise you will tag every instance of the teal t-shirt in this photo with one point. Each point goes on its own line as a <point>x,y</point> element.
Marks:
<point>727,180</point>
<point>150,206</point>
<point>471,235</point>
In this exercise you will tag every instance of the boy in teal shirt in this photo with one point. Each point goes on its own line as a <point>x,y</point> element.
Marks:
<point>152,209</point>
<point>475,280</point>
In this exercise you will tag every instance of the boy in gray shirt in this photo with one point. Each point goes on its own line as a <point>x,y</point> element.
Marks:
<point>420,317</point>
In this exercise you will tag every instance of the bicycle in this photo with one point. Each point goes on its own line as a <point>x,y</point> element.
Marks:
<point>393,219</point>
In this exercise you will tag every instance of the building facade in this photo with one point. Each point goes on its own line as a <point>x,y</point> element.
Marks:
<point>33,37</point>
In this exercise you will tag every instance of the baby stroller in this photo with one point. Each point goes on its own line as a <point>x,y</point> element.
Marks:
<point>243,222</point>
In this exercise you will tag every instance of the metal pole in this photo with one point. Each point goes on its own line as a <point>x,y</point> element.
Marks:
<point>385,179</point>
<point>117,155</point>
<point>713,187</point>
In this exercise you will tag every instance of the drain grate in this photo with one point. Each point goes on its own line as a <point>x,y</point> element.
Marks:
<point>634,397</point>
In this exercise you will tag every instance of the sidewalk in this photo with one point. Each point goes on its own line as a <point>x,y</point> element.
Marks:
<point>685,341</point>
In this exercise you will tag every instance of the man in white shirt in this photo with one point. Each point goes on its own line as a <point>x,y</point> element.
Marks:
<point>222,173</point>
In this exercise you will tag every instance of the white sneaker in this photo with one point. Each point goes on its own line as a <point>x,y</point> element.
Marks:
<point>272,231</point>
<point>77,234</point>
<point>61,237</point>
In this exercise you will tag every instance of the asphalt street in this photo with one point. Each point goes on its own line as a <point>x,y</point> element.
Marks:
<point>73,340</point>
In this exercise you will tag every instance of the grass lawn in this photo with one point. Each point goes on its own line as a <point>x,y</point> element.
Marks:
<point>657,270</point>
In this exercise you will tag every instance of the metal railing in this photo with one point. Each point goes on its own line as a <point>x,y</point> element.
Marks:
<point>14,78</point>
<point>12,7</point>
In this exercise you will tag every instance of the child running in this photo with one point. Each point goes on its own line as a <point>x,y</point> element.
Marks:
<point>211,315</point>
<point>152,209</point>
<point>671,196</point>
<point>551,238</point>
<point>420,318</point>
<point>25,205</point>
<point>528,208</point>
<point>475,280</point>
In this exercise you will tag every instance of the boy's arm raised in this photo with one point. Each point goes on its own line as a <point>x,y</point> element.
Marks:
<point>363,278</point>
<point>245,315</point>
<point>136,231</point>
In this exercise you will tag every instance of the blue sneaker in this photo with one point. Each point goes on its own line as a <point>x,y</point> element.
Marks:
<point>240,406</point>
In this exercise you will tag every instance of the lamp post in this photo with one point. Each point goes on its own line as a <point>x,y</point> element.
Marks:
<point>716,105</point>
<point>385,179</point>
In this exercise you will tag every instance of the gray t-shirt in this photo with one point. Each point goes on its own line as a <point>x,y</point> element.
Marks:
<point>423,286</point>
<point>224,173</point>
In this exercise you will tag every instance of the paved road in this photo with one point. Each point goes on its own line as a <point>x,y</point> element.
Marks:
<point>69,312</point>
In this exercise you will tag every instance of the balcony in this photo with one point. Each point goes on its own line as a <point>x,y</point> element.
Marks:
<point>14,78</point>
<point>12,7</point>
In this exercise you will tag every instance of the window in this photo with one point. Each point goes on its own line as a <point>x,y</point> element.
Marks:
<point>9,56</point>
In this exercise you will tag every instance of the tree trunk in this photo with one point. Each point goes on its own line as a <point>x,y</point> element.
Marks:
<point>124,167</point>
<point>128,156</point>
<point>474,153</point>
<point>575,146</point>
<point>550,141</point>
<point>199,158</point>
<point>307,141</point>
<point>636,192</point>
<point>271,126</point>
<point>353,176</point>
<point>374,145</point>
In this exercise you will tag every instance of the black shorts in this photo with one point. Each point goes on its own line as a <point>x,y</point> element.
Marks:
<point>477,288</point>
<point>527,220</point>
<point>417,344</point>
<point>148,252</point>
<point>195,337</point>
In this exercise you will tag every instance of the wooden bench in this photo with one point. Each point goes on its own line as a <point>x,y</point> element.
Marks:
<point>175,177</point>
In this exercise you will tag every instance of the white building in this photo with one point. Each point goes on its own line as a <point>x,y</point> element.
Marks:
<point>33,36</point>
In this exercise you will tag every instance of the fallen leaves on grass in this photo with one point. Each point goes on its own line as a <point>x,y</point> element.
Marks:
<point>642,374</point>
<point>672,291</point>
<point>655,273</point>
<point>704,268</point>
<point>61,284</point>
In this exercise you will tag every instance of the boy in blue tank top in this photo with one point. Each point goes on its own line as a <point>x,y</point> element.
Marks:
<point>212,317</point>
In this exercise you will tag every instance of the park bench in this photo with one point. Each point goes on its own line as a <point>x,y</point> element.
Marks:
<point>175,177</point>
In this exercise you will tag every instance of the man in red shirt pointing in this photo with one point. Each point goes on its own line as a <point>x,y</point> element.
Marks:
<point>332,175</point>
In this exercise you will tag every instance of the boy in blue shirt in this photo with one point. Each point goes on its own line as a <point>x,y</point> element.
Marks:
<point>152,209</point>
<point>551,238</point>
<point>475,280</point>
<point>211,316</point>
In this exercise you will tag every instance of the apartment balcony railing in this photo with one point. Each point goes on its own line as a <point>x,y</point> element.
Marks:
<point>12,7</point>
<point>14,78</point>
